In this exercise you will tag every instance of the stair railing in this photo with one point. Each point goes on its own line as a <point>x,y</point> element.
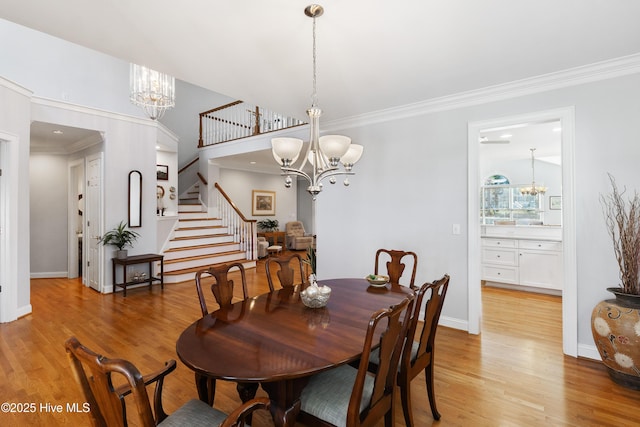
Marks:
<point>240,120</point>
<point>243,230</point>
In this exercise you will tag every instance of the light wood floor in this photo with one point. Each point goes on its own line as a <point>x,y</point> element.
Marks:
<point>513,374</point>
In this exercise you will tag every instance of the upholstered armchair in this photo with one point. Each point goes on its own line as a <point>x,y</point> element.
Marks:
<point>263,244</point>
<point>295,236</point>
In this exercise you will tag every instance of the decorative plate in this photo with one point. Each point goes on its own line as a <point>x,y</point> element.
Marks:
<point>377,280</point>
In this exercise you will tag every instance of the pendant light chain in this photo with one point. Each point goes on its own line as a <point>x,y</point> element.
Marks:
<point>314,95</point>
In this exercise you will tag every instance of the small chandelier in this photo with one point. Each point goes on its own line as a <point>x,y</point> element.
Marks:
<point>152,90</point>
<point>324,153</point>
<point>533,190</point>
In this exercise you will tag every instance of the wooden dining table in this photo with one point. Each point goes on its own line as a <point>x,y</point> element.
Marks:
<point>275,341</point>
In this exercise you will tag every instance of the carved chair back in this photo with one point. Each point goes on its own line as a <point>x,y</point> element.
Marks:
<point>222,287</point>
<point>286,273</point>
<point>395,267</point>
<point>418,356</point>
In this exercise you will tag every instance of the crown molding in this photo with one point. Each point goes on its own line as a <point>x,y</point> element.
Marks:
<point>15,87</point>
<point>603,70</point>
<point>47,102</point>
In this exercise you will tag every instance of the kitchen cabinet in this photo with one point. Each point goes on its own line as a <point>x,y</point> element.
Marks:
<point>523,262</point>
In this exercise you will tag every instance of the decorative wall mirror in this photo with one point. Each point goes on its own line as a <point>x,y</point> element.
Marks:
<point>135,199</point>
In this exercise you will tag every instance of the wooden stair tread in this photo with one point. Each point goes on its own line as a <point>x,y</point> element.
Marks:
<point>204,236</point>
<point>210,245</point>
<point>200,227</point>
<point>197,257</point>
<point>195,269</point>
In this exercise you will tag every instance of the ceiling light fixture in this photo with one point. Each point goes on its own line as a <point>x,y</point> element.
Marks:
<point>533,190</point>
<point>152,90</point>
<point>324,153</point>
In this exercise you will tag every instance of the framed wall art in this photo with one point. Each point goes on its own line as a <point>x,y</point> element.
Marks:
<point>263,202</point>
<point>555,202</point>
<point>162,172</point>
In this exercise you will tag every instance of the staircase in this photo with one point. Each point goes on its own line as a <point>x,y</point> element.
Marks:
<point>199,242</point>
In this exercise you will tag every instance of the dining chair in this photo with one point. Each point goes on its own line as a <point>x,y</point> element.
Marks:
<point>395,267</point>
<point>350,397</point>
<point>222,289</point>
<point>286,274</point>
<point>95,374</point>
<point>418,356</point>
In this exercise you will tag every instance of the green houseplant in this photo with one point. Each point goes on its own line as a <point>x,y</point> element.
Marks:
<point>614,322</point>
<point>120,237</point>
<point>311,261</point>
<point>268,224</point>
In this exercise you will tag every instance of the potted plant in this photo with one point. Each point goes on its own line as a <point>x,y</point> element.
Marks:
<point>120,237</point>
<point>614,322</point>
<point>268,224</point>
<point>311,261</point>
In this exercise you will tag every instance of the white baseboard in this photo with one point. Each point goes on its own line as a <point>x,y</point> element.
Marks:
<point>584,350</point>
<point>24,310</point>
<point>589,352</point>
<point>50,275</point>
<point>451,322</point>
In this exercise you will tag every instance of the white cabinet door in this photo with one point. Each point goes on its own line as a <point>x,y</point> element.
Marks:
<point>542,269</point>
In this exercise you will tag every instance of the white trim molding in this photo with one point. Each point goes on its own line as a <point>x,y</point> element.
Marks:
<point>603,70</point>
<point>570,283</point>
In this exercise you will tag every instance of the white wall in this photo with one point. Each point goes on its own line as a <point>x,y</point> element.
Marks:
<point>239,185</point>
<point>411,186</point>
<point>48,222</point>
<point>15,104</point>
<point>184,119</point>
<point>56,69</point>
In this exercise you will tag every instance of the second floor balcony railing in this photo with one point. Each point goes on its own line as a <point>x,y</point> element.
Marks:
<point>240,120</point>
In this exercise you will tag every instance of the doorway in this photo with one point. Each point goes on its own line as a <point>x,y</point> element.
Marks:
<point>93,222</point>
<point>565,118</point>
<point>75,220</point>
<point>59,154</point>
<point>3,235</point>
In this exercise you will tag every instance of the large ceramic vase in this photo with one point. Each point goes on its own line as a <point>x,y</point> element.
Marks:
<point>615,324</point>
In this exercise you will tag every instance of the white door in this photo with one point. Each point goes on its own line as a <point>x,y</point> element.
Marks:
<point>3,204</point>
<point>93,223</point>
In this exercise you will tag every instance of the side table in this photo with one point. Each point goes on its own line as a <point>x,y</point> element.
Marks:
<point>138,259</point>
<point>273,237</point>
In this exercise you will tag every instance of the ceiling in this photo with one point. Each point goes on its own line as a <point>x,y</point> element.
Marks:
<point>56,139</point>
<point>372,55</point>
<point>516,141</point>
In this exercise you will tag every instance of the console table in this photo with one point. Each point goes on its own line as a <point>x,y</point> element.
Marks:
<point>138,259</point>
<point>273,237</point>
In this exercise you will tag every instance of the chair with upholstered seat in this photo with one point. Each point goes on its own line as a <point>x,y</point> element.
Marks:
<point>295,236</point>
<point>346,396</point>
<point>262,245</point>
<point>395,267</point>
<point>95,374</point>
<point>286,273</point>
<point>222,289</point>
<point>418,356</point>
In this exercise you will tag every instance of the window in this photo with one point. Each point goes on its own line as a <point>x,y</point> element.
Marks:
<point>505,203</point>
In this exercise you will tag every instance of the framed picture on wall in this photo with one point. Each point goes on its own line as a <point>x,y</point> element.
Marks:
<point>162,172</point>
<point>555,202</point>
<point>263,202</point>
